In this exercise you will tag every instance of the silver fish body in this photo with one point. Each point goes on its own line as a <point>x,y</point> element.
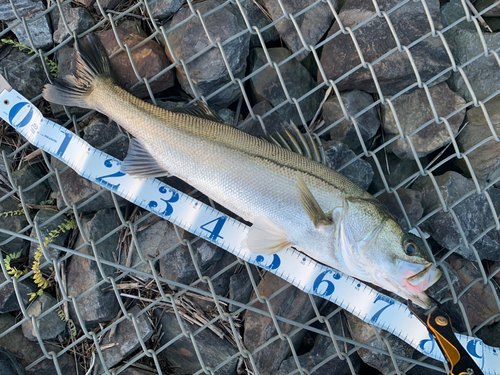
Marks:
<point>292,200</point>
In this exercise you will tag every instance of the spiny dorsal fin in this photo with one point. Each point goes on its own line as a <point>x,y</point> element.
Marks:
<point>311,205</point>
<point>308,145</point>
<point>201,110</point>
<point>140,163</point>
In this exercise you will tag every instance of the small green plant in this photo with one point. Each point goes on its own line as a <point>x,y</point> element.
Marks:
<point>11,213</point>
<point>21,46</point>
<point>38,277</point>
<point>69,321</point>
<point>13,271</point>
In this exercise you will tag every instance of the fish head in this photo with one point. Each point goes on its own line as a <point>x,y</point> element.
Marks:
<point>384,254</point>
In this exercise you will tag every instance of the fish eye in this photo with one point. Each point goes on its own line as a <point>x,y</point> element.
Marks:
<point>410,248</point>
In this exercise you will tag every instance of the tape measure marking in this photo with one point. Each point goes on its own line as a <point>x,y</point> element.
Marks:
<point>206,222</point>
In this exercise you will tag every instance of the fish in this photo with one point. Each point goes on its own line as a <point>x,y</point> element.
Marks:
<point>291,200</point>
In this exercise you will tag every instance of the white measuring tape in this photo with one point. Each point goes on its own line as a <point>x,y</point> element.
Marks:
<point>206,222</point>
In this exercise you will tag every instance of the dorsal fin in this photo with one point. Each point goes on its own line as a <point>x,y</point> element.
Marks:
<point>201,110</point>
<point>308,145</point>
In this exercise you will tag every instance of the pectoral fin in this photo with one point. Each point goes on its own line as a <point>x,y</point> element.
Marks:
<point>311,205</point>
<point>140,163</point>
<point>264,237</point>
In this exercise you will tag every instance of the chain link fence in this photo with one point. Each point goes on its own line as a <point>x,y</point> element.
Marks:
<point>134,280</point>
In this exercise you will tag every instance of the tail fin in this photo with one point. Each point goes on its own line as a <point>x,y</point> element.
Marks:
<point>92,63</point>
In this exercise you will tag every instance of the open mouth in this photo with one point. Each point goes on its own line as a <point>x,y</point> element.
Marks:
<point>425,278</point>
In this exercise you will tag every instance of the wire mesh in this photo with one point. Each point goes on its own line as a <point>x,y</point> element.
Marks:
<point>133,277</point>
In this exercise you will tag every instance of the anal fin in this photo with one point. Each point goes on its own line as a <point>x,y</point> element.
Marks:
<point>140,163</point>
<point>264,237</point>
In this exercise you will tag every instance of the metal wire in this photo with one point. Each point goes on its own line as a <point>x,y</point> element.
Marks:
<point>114,274</point>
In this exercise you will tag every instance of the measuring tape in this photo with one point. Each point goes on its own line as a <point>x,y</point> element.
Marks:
<point>208,223</point>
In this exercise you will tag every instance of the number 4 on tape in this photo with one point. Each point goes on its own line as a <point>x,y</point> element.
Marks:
<point>214,227</point>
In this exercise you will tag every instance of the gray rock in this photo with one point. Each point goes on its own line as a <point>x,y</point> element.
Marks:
<point>162,9</point>
<point>154,240</point>
<point>49,326</point>
<point>124,340</point>
<point>490,334</point>
<point>359,172</point>
<point>100,131</point>
<point>8,298</point>
<point>227,115</point>
<point>485,160</point>
<point>137,371</point>
<point>149,60</point>
<point>133,25</point>
<point>493,23</point>
<point>273,123</point>
<point>313,24</point>
<point>77,19</point>
<point>412,204</point>
<point>323,348</point>
<point>13,223</point>
<point>87,3</point>
<point>292,304</point>
<point>27,176</point>
<point>413,111</point>
<point>47,223</point>
<point>479,299</point>
<point>100,305</point>
<point>219,282</point>
<point>362,332</point>
<point>421,370</point>
<point>178,266</point>
<point>473,213</point>
<point>345,132</point>
<point>39,29</point>
<point>482,74</point>
<point>28,352</point>
<point>256,17</point>
<point>481,5</point>
<point>208,72</point>
<point>394,170</point>
<point>451,12</point>
<point>181,354</point>
<point>240,286</point>
<point>9,364</point>
<point>394,73</point>
<point>106,4</point>
<point>266,84</point>
<point>28,79</point>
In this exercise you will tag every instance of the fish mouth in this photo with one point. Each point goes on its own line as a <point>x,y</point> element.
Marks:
<point>418,278</point>
<point>427,277</point>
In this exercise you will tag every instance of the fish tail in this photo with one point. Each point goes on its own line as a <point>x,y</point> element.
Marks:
<point>92,65</point>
